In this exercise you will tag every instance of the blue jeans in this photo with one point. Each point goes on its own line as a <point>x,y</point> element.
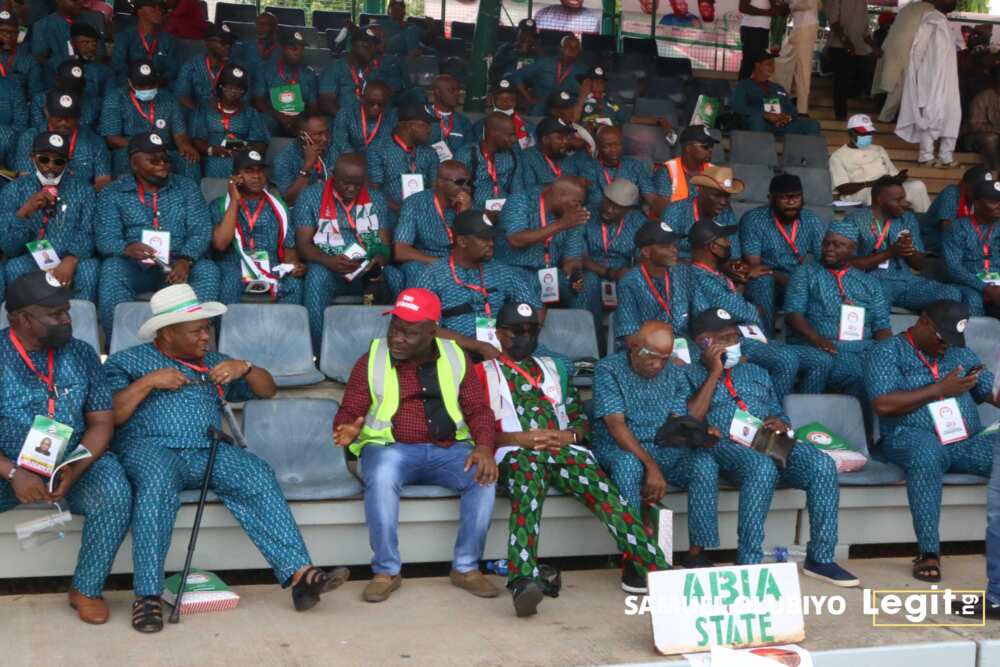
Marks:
<point>993,528</point>
<point>387,468</point>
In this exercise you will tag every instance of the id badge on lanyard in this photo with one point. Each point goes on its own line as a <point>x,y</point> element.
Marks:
<point>442,150</point>
<point>44,446</point>
<point>753,332</point>
<point>495,204</point>
<point>548,278</point>
<point>412,184</point>
<point>681,350</point>
<point>159,241</point>
<point>609,294</point>
<point>486,330</point>
<point>744,427</point>
<point>948,421</point>
<point>44,254</point>
<point>852,323</point>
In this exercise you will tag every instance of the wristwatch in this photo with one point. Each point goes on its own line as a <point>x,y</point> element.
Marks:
<point>249,369</point>
<point>10,475</point>
<point>303,173</point>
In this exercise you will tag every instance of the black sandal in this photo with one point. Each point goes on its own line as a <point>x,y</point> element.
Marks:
<point>925,570</point>
<point>700,561</point>
<point>313,583</point>
<point>147,614</point>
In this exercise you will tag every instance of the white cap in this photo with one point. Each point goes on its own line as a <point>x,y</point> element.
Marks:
<point>860,123</point>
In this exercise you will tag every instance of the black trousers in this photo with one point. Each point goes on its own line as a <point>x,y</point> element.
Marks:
<point>851,76</point>
<point>754,40</point>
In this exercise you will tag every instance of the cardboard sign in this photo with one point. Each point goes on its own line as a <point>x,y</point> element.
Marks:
<point>740,606</point>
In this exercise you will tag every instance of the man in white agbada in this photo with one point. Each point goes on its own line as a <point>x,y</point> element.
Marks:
<point>891,67</point>
<point>931,109</point>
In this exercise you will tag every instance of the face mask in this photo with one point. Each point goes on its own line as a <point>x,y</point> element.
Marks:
<point>865,142</point>
<point>506,112</point>
<point>48,181</point>
<point>57,335</point>
<point>521,346</point>
<point>145,95</point>
<point>733,354</point>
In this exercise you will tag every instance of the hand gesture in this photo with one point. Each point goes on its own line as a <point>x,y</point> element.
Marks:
<point>166,379</point>
<point>67,478</point>
<point>776,424</point>
<point>486,467</point>
<point>36,202</point>
<point>461,202</point>
<point>654,486</point>
<point>139,251</point>
<point>180,272</point>
<point>826,345</point>
<point>712,357</point>
<point>228,371</point>
<point>29,487</point>
<point>955,384</point>
<point>234,189</point>
<point>345,434</point>
<point>574,217</point>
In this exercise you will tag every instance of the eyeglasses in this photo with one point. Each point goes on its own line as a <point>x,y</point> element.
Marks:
<point>460,182</point>
<point>645,352</point>
<point>46,160</point>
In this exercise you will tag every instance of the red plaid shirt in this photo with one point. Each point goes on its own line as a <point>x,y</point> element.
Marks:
<point>409,424</point>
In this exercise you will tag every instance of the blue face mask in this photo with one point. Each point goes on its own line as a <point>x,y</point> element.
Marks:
<point>865,141</point>
<point>145,95</point>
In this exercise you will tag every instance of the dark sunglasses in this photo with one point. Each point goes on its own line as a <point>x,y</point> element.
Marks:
<point>55,161</point>
<point>460,182</point>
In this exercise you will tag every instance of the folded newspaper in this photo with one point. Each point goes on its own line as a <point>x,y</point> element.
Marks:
<point>204,592</point>
<point>846,457</point>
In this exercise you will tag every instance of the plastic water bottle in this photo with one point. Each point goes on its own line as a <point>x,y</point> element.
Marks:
<point>497,567</point>
<point>778,554</point>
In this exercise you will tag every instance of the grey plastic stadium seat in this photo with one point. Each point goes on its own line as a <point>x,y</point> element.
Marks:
<point>805,150</point>
<point>295,437</point>
<point>741,207</point>
<point>571,334</point>
<point>243,31</point>
<point>84,316</point>
<point>287,15</point>
<point>662,105</point>
<point>900,322</point>
<point>624,85</point>
<point>645,141</point>
<point>753,148</point>
<point>718,151</point>
<point>274,148</point>
<point>988,413</point>
<point>347,334</point>
<point>981,336</point>
<point>233,11</point>
<point>129,317</point>
<point>825,213</point>
<point>815,184</point>
<point>274,336</point>
<point>717,88</point>
<point>213,188</point>
<point>324,20</point>
<point>190,496</point>
<point>961,479</point>
<point>843,415</point>
<point>757,179</point>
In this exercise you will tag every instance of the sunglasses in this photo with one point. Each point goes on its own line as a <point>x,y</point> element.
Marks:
<point>644,352</point>
<point>46,160</point>
<point>460,182</point>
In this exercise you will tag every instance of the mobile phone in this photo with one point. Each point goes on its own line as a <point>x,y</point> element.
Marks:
<point>306,139</point>
<point>975,369</point>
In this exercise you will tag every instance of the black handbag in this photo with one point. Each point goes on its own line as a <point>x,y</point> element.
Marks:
<point>684,432</point>
<point>776,444</point>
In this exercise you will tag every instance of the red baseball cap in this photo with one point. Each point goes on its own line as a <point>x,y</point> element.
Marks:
<point>416,305</point>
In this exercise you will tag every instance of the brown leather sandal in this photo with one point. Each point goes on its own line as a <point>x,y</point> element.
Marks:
<point>927,567</point>
<point>147,614</point>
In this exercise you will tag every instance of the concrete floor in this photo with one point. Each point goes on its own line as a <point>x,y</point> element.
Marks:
<point>427,622</point>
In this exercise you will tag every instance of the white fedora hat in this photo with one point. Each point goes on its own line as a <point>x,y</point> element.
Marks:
<point>176,304</point>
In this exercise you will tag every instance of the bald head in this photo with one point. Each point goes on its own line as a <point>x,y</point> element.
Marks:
<point>565,193</point>
<point>447,92</point>
<point>349,175</point>
<point>452,169</point>
<point>499,134</point>
<point>656,336</point>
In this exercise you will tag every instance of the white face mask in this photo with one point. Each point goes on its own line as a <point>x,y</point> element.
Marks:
<point>47,181</point>
<point>733,354</point>
<point>506,112</point>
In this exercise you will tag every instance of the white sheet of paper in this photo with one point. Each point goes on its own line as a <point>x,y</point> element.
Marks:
<point>852,322</point>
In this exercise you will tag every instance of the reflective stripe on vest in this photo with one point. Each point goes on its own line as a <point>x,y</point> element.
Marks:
<point>678,179</point>
<point>383,383</point>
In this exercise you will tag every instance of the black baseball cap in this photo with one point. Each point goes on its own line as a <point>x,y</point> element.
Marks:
<point>9,18</point>
<point>139,4</point>
<point>655,233</point>
<point>504,86</point>
<point>712,319</point>
<point>364,35</point>
<point>987,190</point>
<point>514,313</point>
<point>551,125</point>
<point>292,37</point>
<point>245,159</point>
<point>142,74</point>
<point>37,288</point>
<point>697,134</point>
<point>950,319</point>
<point>71,76</point>
<point>220,31</point>
<point>527,25</point>
<point>62,104</point>
<point>83,29</point>
<point>412,112</point>
<point>559,100</point>
<point>147,142</point>
<point>233,75</point>
<point>593,73</point>
<point>50,142</point>
<point>475,222</point>
<point>977,173</point>
<point>785,183</point>
<point>705,231</point>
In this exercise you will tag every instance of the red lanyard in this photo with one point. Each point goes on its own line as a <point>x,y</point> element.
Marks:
<point>553,166</point>
<point>364,127</point>
<point>985,240</point>
<point>48,380</point>
<point>226,119</point>
<point>607,174</point>
<point>411,154</point>
<point>544,223</point>
<point>963,207</point>
<point>606,243</point>
<point>358,76</point>
<point>560,75</point>
<point>933,368</point>
<point>444,222</point>
<point>839,275</point>
<point>281,73</point>
<point>731,388</point>
<point>491,169</point>
<point>790,239</point>
<point>664,298</point>
<point>214,75</point>
<point>150,48</point>
<point>197,368</point>
<point>706,267</point>
<point>880,230</point>
<point>151,116</point>
<point>251,218</point>
<point>156,206</point>
<point>695,211</point>
<point>535,382</point>
<point>479,289</point>
<point>10,62</point>
<point>265,51</point>
<point>45,218</point>
<point>445,129</point>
